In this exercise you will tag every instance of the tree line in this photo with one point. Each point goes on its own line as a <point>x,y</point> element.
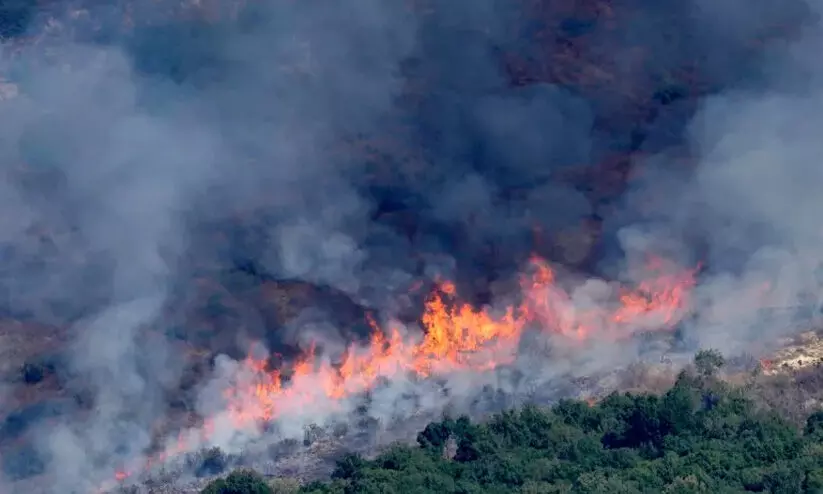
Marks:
<point>702,435</point>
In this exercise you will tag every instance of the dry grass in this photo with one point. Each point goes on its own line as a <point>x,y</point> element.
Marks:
<point>801,353</point>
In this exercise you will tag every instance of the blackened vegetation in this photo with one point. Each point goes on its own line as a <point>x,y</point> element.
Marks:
<point>26,461</point>
<point>23,459</point>
<point>33,373</point>
<point>15,16</point>
<point>45,365</point>
<point>17,423</point>
<point>209,462</point>
<point>701,435</point>
<point>227,296</point>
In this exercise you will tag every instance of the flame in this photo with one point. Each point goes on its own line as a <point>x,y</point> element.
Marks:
<point>456,337</point>
<point>658,301</point>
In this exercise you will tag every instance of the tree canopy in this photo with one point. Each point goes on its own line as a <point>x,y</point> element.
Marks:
<point>702,435</point>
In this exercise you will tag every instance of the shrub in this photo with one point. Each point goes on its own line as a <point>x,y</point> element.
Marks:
<point>239,482</point>
<point>34,372</point>
<point>210,462</point>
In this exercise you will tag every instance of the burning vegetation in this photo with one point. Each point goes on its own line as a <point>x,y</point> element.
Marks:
<point>456,337</point>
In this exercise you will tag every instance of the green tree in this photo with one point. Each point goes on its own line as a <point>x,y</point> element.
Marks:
<point>814,425</point>
<point>708,362</point>
<point>700,436</point>
<point>814,481</point>
<point>239,482</point>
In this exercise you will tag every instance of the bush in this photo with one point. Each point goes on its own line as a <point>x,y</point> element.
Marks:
<point>210,462</point>
<point>239,482</point>
<point>34,372</point>
<point>708,362</point>
<point>698,437</point>
<point>701,436</point>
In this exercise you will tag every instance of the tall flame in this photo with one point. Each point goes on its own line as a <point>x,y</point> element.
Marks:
<point>456,337</point>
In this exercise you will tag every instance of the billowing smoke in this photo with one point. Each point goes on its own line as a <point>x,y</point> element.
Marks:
<point>747,207</point>
<point>228,178</point>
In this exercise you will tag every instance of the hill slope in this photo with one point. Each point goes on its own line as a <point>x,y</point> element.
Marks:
<point>702,435</point>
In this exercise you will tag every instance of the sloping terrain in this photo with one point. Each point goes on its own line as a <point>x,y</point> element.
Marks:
<point>437,191</point>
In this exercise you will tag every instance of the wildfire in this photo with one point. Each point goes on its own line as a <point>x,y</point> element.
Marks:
<point>456,337</point>
<point>659,301</point>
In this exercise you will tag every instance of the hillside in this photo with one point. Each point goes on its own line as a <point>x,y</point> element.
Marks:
<point>293,229</point>
<point>701,435</point>
<point>791,398</point>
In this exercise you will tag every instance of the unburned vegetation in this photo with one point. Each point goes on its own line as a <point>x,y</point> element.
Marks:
<point>703,434</point>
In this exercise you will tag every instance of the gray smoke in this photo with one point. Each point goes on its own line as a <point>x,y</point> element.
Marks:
<point>751,197</point>
<point>106,183</point>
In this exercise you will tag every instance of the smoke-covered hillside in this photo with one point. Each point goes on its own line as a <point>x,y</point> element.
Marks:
<point>226,221</point>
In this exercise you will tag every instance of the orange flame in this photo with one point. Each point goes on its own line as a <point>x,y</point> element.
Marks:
<point>657,302</point>
<point>456,337</point>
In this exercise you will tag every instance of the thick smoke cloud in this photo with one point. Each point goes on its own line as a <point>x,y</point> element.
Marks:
<point>359,149</point>
<point>104,186</point>
<point>747,208</point>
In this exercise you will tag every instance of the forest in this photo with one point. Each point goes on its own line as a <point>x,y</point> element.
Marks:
<point>702,435</point>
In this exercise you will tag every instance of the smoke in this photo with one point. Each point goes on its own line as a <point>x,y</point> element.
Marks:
<point>750,198</point>
<point>98,183</point>
<point>757,182</point>
<point>152,151</point>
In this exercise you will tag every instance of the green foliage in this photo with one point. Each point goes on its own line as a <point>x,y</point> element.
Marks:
<point>239,482</point>
<point>209,462</point>
<point>708,362</point>
<point>701,436</point>
<point>284,486</point>
<point>814,425</point>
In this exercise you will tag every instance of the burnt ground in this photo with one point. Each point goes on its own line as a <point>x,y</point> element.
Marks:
<point>643,100</point>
